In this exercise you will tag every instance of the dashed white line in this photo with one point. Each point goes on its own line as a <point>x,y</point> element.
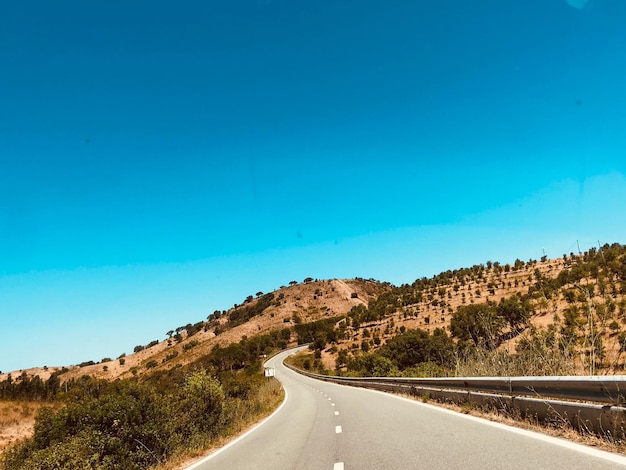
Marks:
<point>336,413</point>
<point>338,466</point>
<point>337,429</point>
<point>332,404</point>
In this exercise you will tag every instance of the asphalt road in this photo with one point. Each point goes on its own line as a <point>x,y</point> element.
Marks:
<point>333,427</point>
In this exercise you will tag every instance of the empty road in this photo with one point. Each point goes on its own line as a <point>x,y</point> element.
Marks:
<point>333,427</point>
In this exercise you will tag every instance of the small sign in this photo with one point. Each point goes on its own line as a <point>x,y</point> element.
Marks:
<point>270,372</point>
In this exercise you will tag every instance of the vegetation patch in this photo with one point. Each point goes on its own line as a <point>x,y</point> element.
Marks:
<point>243,314</point>
<point>135,424</point>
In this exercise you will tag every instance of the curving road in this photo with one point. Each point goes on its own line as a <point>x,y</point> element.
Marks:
<point>334,427</point>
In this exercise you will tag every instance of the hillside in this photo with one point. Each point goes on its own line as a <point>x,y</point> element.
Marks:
<point>299,302</point>
<point>557,289</point>
<point>23,392</point>
<point>562,316</point>
<point>592,281</point>
<point>575,304</point>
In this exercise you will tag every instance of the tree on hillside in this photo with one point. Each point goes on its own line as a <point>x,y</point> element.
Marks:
<point>479,323</point>
<point>372,365</point>
<point>417,346</point>
<point>515,311</point>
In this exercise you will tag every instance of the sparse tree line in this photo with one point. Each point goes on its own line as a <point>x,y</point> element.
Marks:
<point>239,314</point>
<point>593,283</point>
<point>244,313</point>
<point>31,388</point>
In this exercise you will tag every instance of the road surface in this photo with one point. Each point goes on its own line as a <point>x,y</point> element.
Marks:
<point>334,427</point>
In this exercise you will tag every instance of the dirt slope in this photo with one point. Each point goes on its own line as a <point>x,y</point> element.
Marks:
<point>308,301</point>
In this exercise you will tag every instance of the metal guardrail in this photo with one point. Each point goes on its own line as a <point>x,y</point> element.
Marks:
<point>597,389</point>
<point>556,399</point>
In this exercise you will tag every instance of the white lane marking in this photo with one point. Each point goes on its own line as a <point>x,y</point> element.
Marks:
<point>338,466</point>
<point>332,404</point>
<point>336,413</point>
<point>235,441</point>
<point>601,454</point>
<point>329,398</point>
<point>337,429</point>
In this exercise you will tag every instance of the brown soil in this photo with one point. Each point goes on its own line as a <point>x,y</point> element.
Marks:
<point>310,301</point>
<point>16,420</point>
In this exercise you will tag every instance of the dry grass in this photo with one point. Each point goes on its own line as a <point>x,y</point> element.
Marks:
<point>540,361</point>
<point>17,419</point>
<point>555,429</point>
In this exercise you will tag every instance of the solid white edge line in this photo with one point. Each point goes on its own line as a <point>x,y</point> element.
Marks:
<point>235,441</point>
<point>249,431</point>
<point>583,449</point>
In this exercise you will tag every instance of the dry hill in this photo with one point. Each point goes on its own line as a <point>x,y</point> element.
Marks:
<point>299,302</point>
<point>581,297</point>
<point>591,284</point>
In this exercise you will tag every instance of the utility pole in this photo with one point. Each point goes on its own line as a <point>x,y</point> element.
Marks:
<point>602,253</point>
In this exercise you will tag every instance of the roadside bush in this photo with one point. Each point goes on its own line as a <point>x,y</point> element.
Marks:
<point>124,428</point>
<point>130,425</point>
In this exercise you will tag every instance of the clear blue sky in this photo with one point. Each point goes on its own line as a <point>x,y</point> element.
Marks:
<point>160,160</point>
